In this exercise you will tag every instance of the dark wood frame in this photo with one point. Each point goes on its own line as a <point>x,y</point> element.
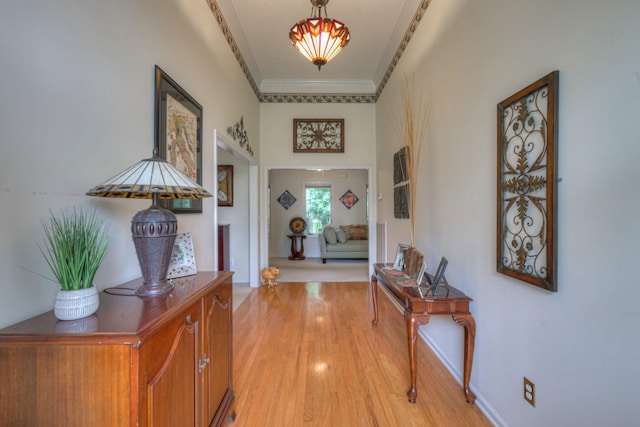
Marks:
<point>527,184</point>
<point>300,147</point>
<point>228,169</point>
<point>165,85</point>
<point>401,183</point>
<point>438,276</point>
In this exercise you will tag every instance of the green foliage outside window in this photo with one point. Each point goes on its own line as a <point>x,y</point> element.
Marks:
<point>318,208</point>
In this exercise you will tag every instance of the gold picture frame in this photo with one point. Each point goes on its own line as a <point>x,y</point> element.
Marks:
<point>318,135</point>
<point>225,185</point>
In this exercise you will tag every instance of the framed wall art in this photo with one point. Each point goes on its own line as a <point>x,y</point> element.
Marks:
<point>318,135</point>
<point>178,135</point>
<point>225,185</point>
<point>527,184</point>
<point>401,183</point>
<point>183,260</point>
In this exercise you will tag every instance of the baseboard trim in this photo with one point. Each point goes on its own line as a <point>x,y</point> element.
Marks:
<point>482,404</point>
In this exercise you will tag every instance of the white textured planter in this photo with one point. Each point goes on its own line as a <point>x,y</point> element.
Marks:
<point>72,305</point>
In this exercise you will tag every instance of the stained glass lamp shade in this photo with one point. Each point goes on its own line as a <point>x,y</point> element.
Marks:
<point>319,39</point>
<point>154,229</point>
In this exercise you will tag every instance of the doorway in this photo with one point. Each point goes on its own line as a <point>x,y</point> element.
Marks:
<point>242,214</point>
<point>290,182</point>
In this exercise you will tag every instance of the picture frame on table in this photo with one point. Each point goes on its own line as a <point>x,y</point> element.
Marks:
<point>438,277</point>
<point>398,263</point>
<point>183,261</point>
<point>178,136</point>
<point>421,274</point>
<point>318,135</point>
<point>225,185</point>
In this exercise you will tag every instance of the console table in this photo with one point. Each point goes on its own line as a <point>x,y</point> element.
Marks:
<point>138,361</point>
<point>419,305</point>
<point>297,255</point>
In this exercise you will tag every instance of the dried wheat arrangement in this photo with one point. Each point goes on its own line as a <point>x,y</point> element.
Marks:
<point>412,126</point>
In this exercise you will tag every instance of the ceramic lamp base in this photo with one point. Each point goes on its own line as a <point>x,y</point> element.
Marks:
<point>155,289</point>
<point>154,232</point>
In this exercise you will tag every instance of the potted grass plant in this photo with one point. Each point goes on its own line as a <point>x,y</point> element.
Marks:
<point>75,245</point>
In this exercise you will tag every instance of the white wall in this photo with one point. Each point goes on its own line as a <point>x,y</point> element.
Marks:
<point>78,88</point>
<point>276,134</point>
<point>237,216</point>
<point>579,345</point>
<point>276,137</point>
<point>294,180</point>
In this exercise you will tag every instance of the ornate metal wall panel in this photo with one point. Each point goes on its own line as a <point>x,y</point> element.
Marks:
<point>527,184</point>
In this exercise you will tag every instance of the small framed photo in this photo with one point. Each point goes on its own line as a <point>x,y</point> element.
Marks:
<point>399,261</point>
<point>318,135</point>
<point>439,276</point>
<point>178,136</point>
<point>225,185</point>
<point>183,260</point>
<point>421,274</point>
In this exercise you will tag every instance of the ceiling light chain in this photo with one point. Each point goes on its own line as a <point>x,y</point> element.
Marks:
<point>319,39</point>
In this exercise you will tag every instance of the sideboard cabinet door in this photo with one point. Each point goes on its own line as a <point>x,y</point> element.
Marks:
<point>217,334</point>
<point>169,373</point>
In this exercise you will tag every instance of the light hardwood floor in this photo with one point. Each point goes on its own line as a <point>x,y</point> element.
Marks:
<point>305,354</point>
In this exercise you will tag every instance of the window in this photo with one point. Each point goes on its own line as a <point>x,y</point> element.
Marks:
<point>318,199</point>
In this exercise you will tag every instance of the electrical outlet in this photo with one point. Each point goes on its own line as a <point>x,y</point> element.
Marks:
<point>231,262</point>
<point>529,392</point>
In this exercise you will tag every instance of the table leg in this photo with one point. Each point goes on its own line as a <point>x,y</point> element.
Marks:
<point>301,253</point>
<point>374,299</point>
<point>294,251</point>
<point>469,324</point>
<point>414,321</point>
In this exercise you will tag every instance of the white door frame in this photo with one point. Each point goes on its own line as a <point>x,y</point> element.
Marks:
<point>226,143</point>
<point>264,202</point>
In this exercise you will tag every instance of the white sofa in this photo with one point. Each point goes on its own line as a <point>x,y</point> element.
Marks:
<point>345,242</point>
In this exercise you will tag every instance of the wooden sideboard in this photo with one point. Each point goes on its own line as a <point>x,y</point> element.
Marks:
<point>161,361</point>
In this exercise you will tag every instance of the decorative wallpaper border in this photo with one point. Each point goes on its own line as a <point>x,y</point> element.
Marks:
<point>318,98</point>
<point>408,35</point>
<point>213,5</point>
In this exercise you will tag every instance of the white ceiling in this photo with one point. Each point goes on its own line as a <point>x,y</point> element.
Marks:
<point>261,32</point>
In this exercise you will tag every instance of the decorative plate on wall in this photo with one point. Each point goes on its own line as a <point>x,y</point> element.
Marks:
<point>297,225</point>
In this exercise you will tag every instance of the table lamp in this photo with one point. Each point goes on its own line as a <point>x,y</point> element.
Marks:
<point>154,229</point>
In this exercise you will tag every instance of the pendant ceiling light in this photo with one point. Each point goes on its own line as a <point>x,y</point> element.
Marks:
<point>319,39</point>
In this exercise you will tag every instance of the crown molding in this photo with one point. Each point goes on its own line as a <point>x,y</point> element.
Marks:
<point>317,86</point>
<point>352,86</point>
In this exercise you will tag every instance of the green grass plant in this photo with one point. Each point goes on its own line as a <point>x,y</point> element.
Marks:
<point>76,244</point>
